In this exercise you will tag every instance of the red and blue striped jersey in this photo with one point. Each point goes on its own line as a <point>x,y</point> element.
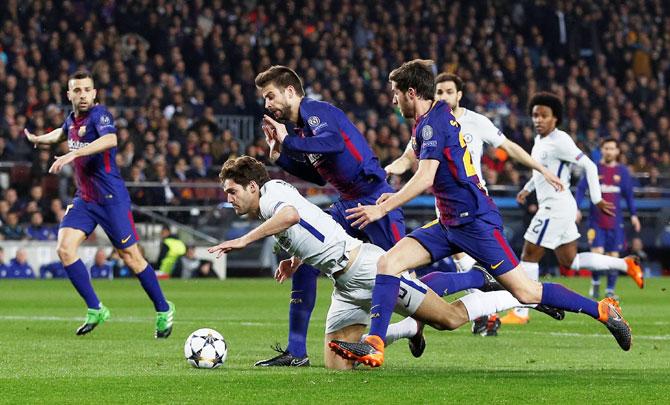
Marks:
<point>459,196</point>
<point>335,149</point>
<point>97,176</point>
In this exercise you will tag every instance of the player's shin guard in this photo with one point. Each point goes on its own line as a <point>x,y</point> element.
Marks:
<point>597,262</point>
<point>557,296</point>
<point>81,280</point>
<point>465,263</point>
<point>150,284</point>
<point>303,297</point>
<point>384,297</point>
<point>480,304</point>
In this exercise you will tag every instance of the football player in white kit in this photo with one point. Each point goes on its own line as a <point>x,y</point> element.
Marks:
<point>312,236</point>
<point>553,226</point>
<point>477,130</point>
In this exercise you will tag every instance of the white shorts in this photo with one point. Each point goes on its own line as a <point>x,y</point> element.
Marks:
<point>552,227</point>
<point>350,302</point>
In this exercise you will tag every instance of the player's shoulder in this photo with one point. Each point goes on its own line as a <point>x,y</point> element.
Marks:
<point>99,110</point>
<point>277,186</point>
<point>560,136</point>
<point>475,117</point>
<point>310,106</point>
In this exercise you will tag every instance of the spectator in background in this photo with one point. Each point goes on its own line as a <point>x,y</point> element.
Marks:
<point>172,248</point>
<point>189,266</point>
<point>100,267</point>
<point>37,230</point>
<point>3,266</point>
<point>19,267</point>
<point>11,230</point>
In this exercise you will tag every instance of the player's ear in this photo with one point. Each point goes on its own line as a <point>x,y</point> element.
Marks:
<point>459,95</point>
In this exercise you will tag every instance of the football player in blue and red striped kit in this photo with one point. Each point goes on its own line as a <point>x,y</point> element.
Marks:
<point>469,222</point>
<point>606,232</point>
<point>328,148</point>
<point>101,199</point>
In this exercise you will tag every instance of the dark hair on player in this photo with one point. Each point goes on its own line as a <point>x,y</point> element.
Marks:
<point>243,170</point>
<point>81,74</point>
<point>282,77</point>
<point>609,139</point>
<point>549,100</point>
<point>417,74</point>
<point>450,77</point>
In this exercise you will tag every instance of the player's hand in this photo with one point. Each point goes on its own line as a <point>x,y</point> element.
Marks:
<point>270,139</point>
<point>277,130</point>
<point>606,207</point>
<point>578,218</point>
<point>393,169</point>
<point>227,246</point>
<point>286,269</point>
<point>635,221</point>
<point>61,161</point>
<point>383,197</point>
<point>553,180</point>
<point>521,197</point>
<point>32,138</point>
<point>363,215</point>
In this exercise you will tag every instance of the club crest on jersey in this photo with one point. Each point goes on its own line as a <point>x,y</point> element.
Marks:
<point>313,121</point>
<point>467,138</point>
<point>82,131</point>
<point>616,178</point>
<point>427,132</point>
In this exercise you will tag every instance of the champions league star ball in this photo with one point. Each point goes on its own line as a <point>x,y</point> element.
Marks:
<point>205,348</point>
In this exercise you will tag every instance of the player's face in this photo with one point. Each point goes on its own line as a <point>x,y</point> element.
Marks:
<point>277,101</point>
<point>402,100</point>
<point>447,91</point>
<point>243,199</point>
<point>544,120</point>
<point>610,152</point>
<point>81,93</point>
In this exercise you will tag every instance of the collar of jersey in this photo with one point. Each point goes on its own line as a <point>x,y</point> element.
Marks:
<point>429,110</point>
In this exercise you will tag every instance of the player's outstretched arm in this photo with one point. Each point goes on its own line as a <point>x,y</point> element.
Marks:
<point>517,153</point>
<point>281,221</point>
<point>422,179</point>
<point>99,145</point>
<point>55,136</point>
<point>628,195</point>
<point>403,163</point>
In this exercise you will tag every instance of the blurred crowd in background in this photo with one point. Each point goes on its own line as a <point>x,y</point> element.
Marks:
<point>166,69</point>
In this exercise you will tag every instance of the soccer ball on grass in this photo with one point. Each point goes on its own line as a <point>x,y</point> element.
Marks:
<point>205,348</point>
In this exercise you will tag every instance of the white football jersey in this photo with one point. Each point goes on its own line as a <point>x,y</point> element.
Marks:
<point>317,239</point>
<point>556,152</point>
<point>477,130</point>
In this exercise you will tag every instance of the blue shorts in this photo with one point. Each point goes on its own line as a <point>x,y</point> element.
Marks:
<point>611,240</point>
<point>384,233</point>
<point>482,239</point>
<point>115,219</point>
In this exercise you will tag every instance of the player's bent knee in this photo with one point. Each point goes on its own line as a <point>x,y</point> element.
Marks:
<point>383,265</point>
<point>66,254</point>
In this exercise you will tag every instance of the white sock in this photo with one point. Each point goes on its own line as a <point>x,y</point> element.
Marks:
<point>533,272</point>
<point>488,303</point>
<point>597,262</point>
<point>403,329</point>
<point>465,263</point>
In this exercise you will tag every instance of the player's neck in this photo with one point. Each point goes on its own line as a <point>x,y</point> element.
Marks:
<point>79,114</point>
<point>421,107</point>
<point>458,112</point>
<point>609,164</point>
<point>295,111</point>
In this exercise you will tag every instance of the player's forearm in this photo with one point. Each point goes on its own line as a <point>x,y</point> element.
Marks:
<point>517,153</point>
<point>325,143</point>
<point>592,178</point>
<point>281,221</point>
<point>55,136</point>
<point>99,145</point>
<point>401,164</point>
<point>420,182</point>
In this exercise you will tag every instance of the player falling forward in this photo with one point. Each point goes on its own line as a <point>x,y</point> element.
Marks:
<point>477,130</point>
<point>606,233</point>
<point>101,199</point>
<point>327,147</point>
<point>553,226</point>
<point>311,236</point>
<point>469,221</point>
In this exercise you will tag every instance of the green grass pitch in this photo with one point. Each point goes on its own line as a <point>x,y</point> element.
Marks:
<point>546,361</point>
